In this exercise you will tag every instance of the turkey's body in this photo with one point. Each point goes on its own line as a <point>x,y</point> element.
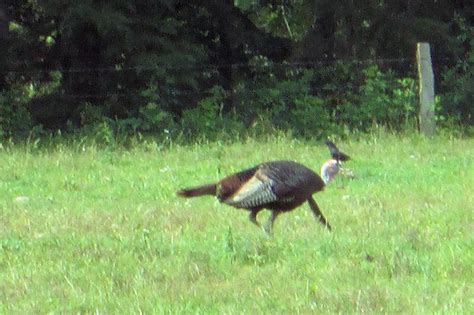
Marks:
<point>279,186</point>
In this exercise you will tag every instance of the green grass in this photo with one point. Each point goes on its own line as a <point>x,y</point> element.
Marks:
<point>103,232</point>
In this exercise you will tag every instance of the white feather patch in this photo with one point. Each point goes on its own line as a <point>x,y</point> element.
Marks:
<point>255,192</point>
<point>329,170</point>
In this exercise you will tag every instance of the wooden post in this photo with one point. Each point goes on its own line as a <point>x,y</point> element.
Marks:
<point>426,90</point>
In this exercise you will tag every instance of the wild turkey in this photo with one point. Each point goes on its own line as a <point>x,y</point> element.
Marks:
<point>279,186</point>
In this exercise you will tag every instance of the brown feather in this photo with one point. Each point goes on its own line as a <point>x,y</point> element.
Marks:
<point>229,185</point>
<point>209,189</point>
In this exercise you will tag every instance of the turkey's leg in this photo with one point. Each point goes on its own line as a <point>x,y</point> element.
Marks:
<point>317,213</point>
<point>253,217</point>
<point>269,224</point>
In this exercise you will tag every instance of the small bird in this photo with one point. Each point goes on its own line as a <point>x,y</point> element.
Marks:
<point>335,153</point>
<point>333,166</point>
<point>279,186</point>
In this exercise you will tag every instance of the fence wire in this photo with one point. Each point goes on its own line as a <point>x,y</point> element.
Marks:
<point>217,66</point>
<point>214,67</point>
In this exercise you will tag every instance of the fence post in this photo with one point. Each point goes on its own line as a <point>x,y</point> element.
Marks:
<point>426,89</point>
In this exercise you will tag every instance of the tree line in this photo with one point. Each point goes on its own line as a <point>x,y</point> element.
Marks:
<point>200,67</point>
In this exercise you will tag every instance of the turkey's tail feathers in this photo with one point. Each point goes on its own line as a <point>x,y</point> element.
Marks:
<point>209,189</point>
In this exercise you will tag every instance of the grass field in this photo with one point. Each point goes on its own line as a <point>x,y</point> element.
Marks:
<point>100,231</point>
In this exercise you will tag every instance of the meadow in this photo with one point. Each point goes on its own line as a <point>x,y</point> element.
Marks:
<point>91,229</point>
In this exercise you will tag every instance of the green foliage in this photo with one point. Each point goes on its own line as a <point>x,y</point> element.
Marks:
<point>155,120</point>
<point>310,118</point>
<point>91,115</point>
<point>285,102</point>
<point>208,119</point>
<point>151,120</point>
<point>14,115</point>
<point>306,67</point>
<point>360,98</point>
<point>122,56</point>
<point>456,103</point>
<point>103,133</point>
<point>383,99</point>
